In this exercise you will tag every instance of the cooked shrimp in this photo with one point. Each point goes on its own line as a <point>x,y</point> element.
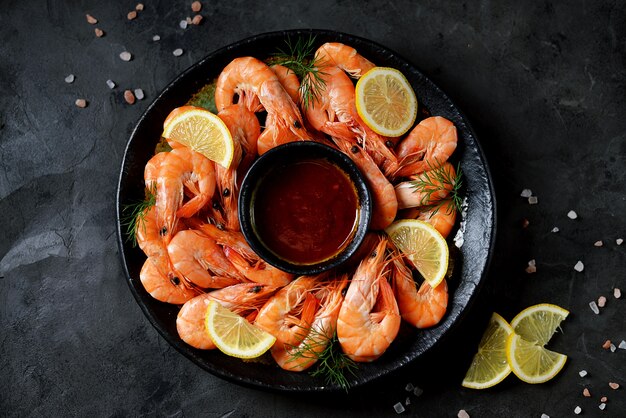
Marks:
<point>151,171</point>
<point>244,299</point>
<point>259,88</point>
<point>427,146</point>
<point>243,258</point>
<point>384,201</point>
<point>442,216</point>
<point>421,308</point>
<point>290,311</point>
<point>162,282</point>
<point>431,188</point>
<point>368,319</point>
<point>289,80</point>
<point>245,129</point>
<point>201,260</point>
<point>182,170</point>
<point>319,333</point>
<point>344,57</point>
<point>284,122</point>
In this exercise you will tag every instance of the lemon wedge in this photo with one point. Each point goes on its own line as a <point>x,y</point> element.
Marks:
<point>489,365</point>
<point>423,245</point>
<point>525,351</point>
<point>386,101</point>
<point>202,131</point>
<point>234,335</point>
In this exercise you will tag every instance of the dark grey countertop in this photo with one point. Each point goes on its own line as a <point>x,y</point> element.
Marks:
<point>543,84</point>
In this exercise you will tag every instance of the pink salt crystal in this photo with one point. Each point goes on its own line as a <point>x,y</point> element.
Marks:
<point>614,385</point>
<point>601,301</point>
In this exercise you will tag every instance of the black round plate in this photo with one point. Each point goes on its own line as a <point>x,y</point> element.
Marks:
<point>471,261</point>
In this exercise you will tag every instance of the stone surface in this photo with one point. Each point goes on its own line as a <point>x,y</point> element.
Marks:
<point>543,85</point>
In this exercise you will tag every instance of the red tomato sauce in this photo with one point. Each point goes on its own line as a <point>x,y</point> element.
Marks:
<point>307,211</point>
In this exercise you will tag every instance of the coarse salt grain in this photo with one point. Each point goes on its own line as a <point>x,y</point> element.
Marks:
<point>612,348</point>
<point>532,200</point>
<point>526,193</point>
<point>463,414</point>
<point>111,84</point>
<point>183,24</point>
<point>622,345</point>
<point>602,406</point>
<point>407,401</point>
<point>197,19</point>
<point>598,243</point>
<point>572,215</point>
<point>578,410</point>
<point>129,97</point>
<point>139,94</point>
<point>579,266</point>
<point>594,307</point>
<point>99,32</point>
<point>188,19</point>
<point>582,373</point>
<point>139,6</point>
<point>69,79</point>
<point>409,387</point>
<point>417,391</point>
<point>196,6</point>
<point>613,385</point>
<point>177,52</point>
<point>586,393</point>
<point>126,56</point>
<point>555,229</point>
<point>617,293</point>
<point>545,416</point>
<point>399,408</point>
<point>619,241</point>
<point>91,19</point>
<point>601,301</point>
<point>156,38</point>
<point>82,103</point>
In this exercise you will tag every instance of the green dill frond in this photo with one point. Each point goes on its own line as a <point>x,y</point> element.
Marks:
<point>438,179</point>
<point>133,214</point>
<point>299,57</point>
<point>332,364</point>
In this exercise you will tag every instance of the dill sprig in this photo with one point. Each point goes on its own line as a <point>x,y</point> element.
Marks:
<point>332,364</point>
<point>299,57</point>
<point>438,179</point>
<point>134,214</point>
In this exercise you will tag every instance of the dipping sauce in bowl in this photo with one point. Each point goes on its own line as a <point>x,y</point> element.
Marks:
<point>304,207</point>
<point>307,210</point>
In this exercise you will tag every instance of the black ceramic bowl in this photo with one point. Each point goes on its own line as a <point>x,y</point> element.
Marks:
<point>470,261</point>
<point>288,154</point>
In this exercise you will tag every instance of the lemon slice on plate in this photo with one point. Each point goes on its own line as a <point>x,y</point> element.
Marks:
<point>202,131</point>
<point>489,365</point>
<point>525,351</point>
<point>234,335</point>
<point>386,101</point>
<point>423,245</point>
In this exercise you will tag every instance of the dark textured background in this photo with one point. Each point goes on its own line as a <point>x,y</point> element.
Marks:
<point>543,84</point>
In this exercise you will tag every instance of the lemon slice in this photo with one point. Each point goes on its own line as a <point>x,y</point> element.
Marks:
<point>235,336</point>
<point>538,323</point>
<point>532,363</point>
<point>202,131</point>
<point>525,351</point>
<point>489,365</point>
<point>386,101</point>
<point>423,245</point>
